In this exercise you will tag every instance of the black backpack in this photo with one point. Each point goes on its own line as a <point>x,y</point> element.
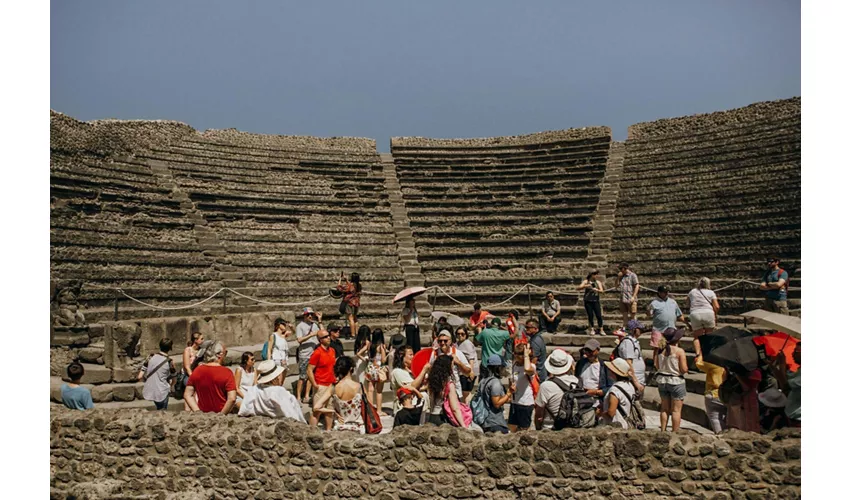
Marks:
<point>576,409</point>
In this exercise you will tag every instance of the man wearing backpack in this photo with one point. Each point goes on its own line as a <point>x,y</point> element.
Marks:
<point>488,404</point>
<point>591,372</point>
<point>775,285</point>
<point>562,397</point>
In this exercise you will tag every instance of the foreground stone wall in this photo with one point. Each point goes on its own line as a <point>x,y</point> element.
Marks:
<point>109,454</point>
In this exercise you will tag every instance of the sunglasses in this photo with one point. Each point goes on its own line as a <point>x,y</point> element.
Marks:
<point>443,341</point>
<point>323,338</point>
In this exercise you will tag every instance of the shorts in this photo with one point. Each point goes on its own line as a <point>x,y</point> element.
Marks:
<point>437,419</point>
<point>701,319</point>
<point>303,363</point>
<point>319,391</point>
<point>777,306</point>
<point>466,383</point>
<point>351,310</point>
<point>655,337</point>
<point>672,391</point>
<point>628,307</point>
<point>520,415</point>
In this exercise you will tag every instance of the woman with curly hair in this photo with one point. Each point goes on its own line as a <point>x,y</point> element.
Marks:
<point>351,291</point>
<point>440,387</point>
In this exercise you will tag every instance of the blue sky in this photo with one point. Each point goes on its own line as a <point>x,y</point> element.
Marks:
<point>436,69</point>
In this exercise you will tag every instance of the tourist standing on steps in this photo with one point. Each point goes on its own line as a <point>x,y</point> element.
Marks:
<point>617,402</point>
<point>320,372</point>
<point>715,410</point>
<point>245,376</point>
<point>460,364</point>
<point>213,383</point>
<point>627,282</point>
<point>775,285</point>
<point>742,410</point>
<point>672,366</point>
<point>591,372</point>
<point>351,291</point>
<point>492,339</point>
<point>592,287</point>
<point>440,389</point>
<point>402,375</point>
<point>269,398</point>
<point>158,374</point>
<point>336,344</point>
<point>629,349</point>
<point>522,374</point>
<point>189,355</point>
<point>537,346</point>
<point>75,396</point>
<point>278,343</point>
<point>550,313</point>
<point>410,324</point>
<point>305,335</point>
<point>702,307</point>
<point>342,400</point>
<point>465,346</point>
<point>664,312</point>
<point>494,395</point>
<point>559,367</point>
<point>377,371</point>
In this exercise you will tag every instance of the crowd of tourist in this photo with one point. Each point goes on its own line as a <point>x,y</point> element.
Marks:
<point>458,388</point>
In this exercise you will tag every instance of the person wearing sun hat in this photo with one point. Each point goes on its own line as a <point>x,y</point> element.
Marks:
<point>618,401</point>
<point>559,366</point>
<point>269,398</point>
<point>774,402</point>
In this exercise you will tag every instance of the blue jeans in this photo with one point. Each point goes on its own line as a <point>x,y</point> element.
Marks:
<point>161,405</point>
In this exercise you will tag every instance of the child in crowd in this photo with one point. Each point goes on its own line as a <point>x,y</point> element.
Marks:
<point>75,396</point>
<point>408,414</point>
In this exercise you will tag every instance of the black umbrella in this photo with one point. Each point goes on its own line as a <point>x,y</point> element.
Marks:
<point>738,355</point>
<point>719,337</point>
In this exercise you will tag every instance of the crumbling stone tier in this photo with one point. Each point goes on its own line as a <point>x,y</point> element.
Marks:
<point>170,214</point>
<point>114,454</point>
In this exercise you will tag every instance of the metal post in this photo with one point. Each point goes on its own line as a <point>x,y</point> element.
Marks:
<point>744,295</point>
<point>225,301</point>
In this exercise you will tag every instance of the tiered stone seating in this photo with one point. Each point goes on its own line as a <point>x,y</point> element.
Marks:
<point>112,225</point>
<point>292,212</point>
<point>711,195</point>
<point>488,215</point>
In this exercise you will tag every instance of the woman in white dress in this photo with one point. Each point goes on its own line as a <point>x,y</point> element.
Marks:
<point>246,376</point>
<point>269,398</point>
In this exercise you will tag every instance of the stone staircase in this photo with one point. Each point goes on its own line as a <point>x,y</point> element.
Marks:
<point>603,220</point>
<point>207,239</point>
<point>407,258</point>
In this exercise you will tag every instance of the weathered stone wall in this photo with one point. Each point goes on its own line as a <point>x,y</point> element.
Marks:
<point>511,140</point>
<point>104,137</point>
<point>732,118</point>
<point>109,454</point>
<point>297,142</point>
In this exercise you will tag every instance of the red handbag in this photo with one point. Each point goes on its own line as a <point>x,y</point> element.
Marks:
<point>371,417</point>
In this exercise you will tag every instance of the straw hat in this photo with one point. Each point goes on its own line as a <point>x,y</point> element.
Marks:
<point>773,398</point>
<point>268,370</point>
<point>559,362</point>
<point>619,366</point>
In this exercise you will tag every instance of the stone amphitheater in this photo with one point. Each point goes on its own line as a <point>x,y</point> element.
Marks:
<point>149,219</point>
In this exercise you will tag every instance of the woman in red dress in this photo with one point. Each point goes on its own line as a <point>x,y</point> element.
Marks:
<point>351,291</point>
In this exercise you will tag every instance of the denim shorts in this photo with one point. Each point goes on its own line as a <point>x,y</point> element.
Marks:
<point>672,391</point>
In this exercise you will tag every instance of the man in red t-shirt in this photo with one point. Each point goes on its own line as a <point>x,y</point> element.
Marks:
<point>213,383</point>
<point>476,321</point>
<point>320,372</point>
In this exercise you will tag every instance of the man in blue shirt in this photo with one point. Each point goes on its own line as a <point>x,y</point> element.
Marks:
<point>664,311</point>
<point>74,396</point>
<point>775,284</point>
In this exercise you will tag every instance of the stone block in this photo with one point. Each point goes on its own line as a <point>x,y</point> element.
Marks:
<point>124,374</point>
<point>123,392</point>
<point>96,374</point>
<point>90,354</point>
<point>102,393</point>
<point>226,328</point>
<point>69,338</point>
<point>203,324</point>
<point>176,329</point>
<point>139,387</point>
<point>255,329</point>
<point>152,331</point>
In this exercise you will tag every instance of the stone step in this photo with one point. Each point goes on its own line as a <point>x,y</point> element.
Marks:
<point>96,374</point>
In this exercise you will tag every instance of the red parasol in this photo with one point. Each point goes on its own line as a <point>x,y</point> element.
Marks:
<point>775,343</point>
<point>420,359</point>
<point>409,292</point>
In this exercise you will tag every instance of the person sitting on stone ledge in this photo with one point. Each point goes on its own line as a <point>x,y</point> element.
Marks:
<point>550,313</point>
<point>158,373</point>
<point>213,383</point>
<point>75,396</point>
<point>402,375</point>
<point>351,291</point>
<point>246,376</point>
<point>408,414</point>
<point>344,399</point>
<point>269,398</point>
<point>476,321</point>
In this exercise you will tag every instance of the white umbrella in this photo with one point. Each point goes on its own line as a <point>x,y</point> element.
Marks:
<point>788,324</point>
<point>453,320</point>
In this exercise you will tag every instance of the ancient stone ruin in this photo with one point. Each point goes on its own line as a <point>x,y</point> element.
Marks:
<point>158,230</point>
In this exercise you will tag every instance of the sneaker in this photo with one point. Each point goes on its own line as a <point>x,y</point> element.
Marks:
<point>602,332</point>
<point>590,331</point>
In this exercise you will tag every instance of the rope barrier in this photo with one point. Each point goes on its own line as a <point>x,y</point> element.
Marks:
<point>382,294</point>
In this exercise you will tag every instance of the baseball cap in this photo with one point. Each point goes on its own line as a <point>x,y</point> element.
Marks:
<point>592,344</point>
<point>496,321</point>
<point>307,310</point>
<point>494,360</point>
<point>663,289</point>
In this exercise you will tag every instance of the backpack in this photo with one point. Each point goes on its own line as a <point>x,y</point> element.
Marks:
<point>616,352</point>
<point>479,404</point>
<point>635,419</point>
<point>576,409</point>
<point>265,352</point>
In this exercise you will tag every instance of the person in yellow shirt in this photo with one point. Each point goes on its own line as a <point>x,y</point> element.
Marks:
<point>714,376</point>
